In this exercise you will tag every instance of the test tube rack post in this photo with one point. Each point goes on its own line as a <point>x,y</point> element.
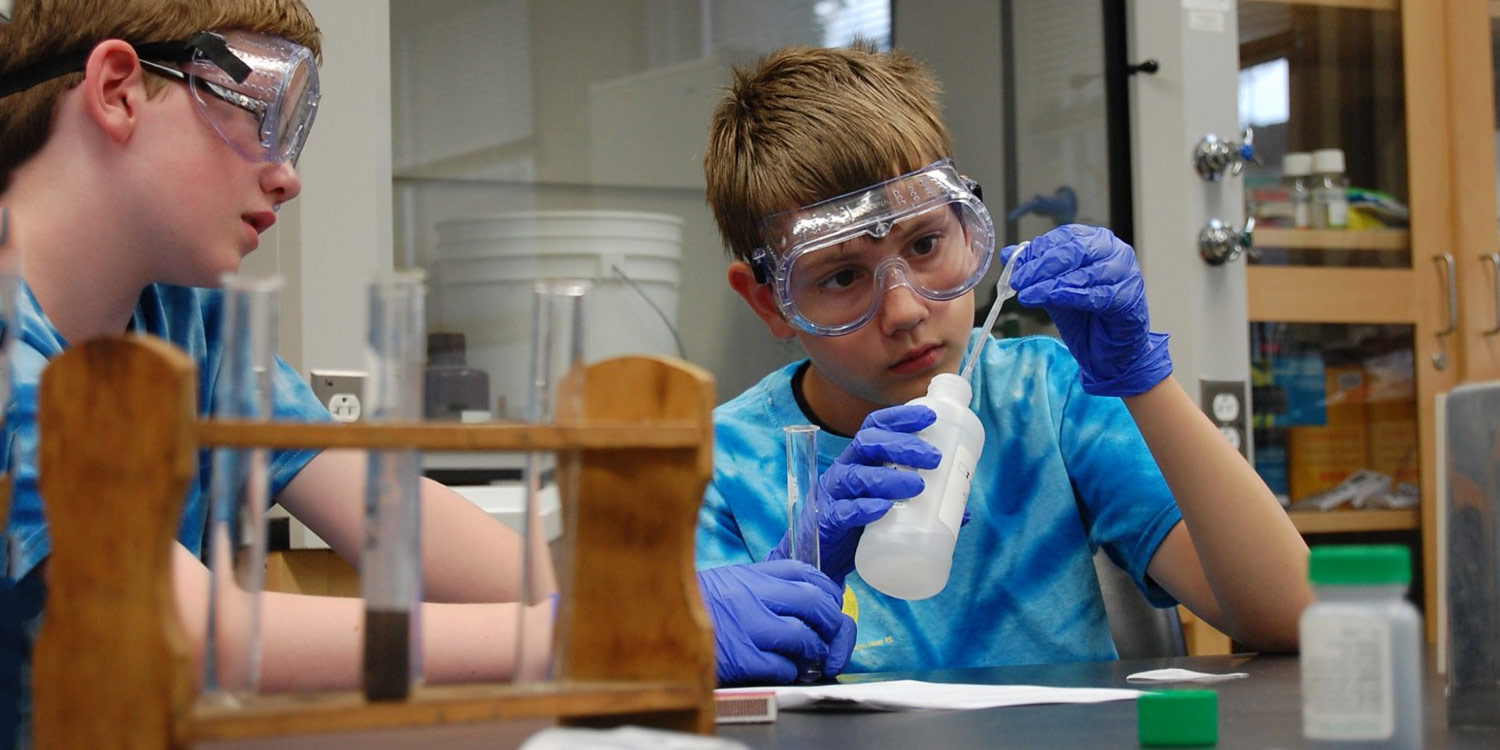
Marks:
<point>119,440</point>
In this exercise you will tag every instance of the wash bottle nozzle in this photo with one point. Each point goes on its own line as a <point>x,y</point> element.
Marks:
<point>1003,292</point>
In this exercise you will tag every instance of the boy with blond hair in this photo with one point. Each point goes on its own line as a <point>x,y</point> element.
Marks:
<point>852,232</point>
<point>145,145</point>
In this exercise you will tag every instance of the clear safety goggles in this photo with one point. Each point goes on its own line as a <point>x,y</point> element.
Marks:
<point>258,92</point>
<point>239,72</point>
<point>831,263</point>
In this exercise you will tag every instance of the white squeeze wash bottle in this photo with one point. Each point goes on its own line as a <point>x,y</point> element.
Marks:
<point>908,552</point>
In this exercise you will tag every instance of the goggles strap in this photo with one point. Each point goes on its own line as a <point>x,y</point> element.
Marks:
<point>760,263</point>
<point>973,187</point>
<point>46,70</point>
<point>211,45</point>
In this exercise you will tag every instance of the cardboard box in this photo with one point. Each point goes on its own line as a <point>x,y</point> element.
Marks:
<point>1393,439</point>
<point>1321,457</point>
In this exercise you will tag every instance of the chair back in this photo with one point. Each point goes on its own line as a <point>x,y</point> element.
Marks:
<point>1139,630</point>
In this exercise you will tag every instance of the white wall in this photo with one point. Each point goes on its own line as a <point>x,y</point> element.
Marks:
<point>960,41</point>
<point>580,121</point>
<point>327,242</point>
<point>1194,93</point>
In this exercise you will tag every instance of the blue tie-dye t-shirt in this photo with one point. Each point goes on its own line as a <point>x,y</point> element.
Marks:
<point>186,317</point>
<point>1062,474</point>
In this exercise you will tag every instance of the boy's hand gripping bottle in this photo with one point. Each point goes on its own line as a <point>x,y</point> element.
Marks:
<point>908,552</point>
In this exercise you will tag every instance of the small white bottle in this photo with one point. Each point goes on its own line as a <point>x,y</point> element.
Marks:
<point>1296,173</point>
<point>1330,190</point>
<point>908,552</point>
<point>1361,651</point>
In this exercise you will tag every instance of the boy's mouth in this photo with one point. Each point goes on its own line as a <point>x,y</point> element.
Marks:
<point>918,359</point>
<point>260,221</point>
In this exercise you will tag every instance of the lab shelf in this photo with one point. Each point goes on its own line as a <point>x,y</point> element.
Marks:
<point>1354,521</point>
<point>1333,239</point>
<point>347,711</point>
<point>1301,294</point>
<point>1349,4</point>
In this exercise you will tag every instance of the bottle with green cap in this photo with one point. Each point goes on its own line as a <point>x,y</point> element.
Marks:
<point>1361,650</point>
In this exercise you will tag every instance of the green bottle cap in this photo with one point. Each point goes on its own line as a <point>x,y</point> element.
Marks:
<point>1178,718</point>
<point>1359,565</point>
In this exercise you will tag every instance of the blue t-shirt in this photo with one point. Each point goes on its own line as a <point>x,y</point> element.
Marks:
<point>186,317</point>
<point>1062,474</point>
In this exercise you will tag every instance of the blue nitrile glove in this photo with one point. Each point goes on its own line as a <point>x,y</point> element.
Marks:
<point>1089,282</point>
<point>772,619</point>
<point>859,487</point>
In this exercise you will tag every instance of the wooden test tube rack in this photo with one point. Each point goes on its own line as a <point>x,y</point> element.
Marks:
<point>119,441</point>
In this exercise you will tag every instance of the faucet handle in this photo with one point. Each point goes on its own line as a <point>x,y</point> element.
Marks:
<point>1213,156</point>
<point>1219,243</point>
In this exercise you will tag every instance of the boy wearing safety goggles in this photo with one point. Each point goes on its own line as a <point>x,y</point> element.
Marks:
<point>853,233</point>
<point>144,147</point>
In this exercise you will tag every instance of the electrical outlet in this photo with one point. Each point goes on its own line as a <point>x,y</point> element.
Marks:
<point>340,391</point>
<point>344,407</point>
<point>1226,402</point>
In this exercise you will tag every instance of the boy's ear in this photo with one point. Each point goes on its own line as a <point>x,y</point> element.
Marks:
<point>758,297</point>
<point>112,88</point>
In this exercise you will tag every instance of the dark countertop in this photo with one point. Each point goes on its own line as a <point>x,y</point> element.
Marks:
<point>1261,711</point>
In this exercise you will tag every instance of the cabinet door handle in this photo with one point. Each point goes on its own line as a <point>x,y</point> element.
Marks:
<point>1494,259</point>
<point>1447,260</point>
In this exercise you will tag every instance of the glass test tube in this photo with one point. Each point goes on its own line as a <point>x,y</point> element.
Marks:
<point>239,486</point>
<point>10,292</point>
<point>802,507</point>
<point>557,352</point>
<point>391,563</point>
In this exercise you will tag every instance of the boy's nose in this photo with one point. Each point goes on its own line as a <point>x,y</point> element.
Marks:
<point>281,182</point>
<point>901,308</point>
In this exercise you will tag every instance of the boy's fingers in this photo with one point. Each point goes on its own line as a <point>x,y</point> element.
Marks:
<point>816,610</point>
<point>846,515</point>
<point>901,418</point>
<point>793,571</point>
<point>767,667</point>
<point>875,446</point>
<point>840,648</point>
<point>847,481</point>
<point>1079,292</point>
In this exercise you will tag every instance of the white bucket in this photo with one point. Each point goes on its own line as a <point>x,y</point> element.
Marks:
<point>486,267</point>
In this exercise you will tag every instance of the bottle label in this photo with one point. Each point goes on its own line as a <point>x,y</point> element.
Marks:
<point>1338,214</point>
<point>1347,690</point>
<point>956,494</point>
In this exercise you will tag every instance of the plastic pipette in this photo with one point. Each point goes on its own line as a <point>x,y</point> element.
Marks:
<point>1003,292</point>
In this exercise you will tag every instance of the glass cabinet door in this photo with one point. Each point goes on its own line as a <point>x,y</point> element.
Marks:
<point>1332,351</point>
<point>1353,289</point>
<point>1479,50</point>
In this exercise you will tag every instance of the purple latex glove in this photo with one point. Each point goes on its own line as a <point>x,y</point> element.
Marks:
<point>773,619</point>
<point>859,487</point>
<point>1089,282</point>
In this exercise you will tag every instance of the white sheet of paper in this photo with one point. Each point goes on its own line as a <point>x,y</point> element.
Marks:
<point>904,695</point>
<point>1182,675</point>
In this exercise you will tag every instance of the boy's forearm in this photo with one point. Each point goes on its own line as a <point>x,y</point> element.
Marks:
<point>316,642</point>
<point>1252,556</point>
<point>467,556</point>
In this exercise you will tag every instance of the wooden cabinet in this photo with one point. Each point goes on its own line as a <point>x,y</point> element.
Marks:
<point>1386,317</point>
